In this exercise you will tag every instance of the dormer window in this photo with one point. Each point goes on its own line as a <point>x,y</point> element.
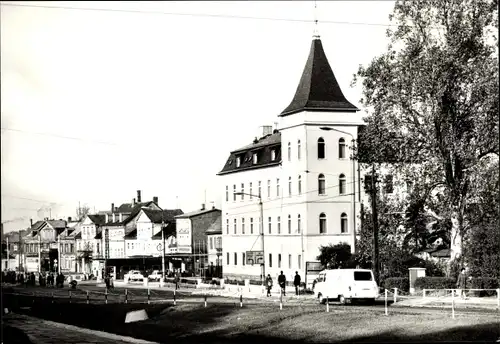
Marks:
<point>238,161</point>
<point>254,158</point>
<point>273,154</point>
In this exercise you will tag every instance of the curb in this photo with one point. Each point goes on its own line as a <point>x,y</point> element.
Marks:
<point>102,334</point>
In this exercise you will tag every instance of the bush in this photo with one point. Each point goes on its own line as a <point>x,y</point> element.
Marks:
<point>483,283</point>
<point>435,283</point>
<point>255,282</point>
<point>402,283</point>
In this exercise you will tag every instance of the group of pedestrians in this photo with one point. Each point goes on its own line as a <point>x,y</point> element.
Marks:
<point>282,283</point>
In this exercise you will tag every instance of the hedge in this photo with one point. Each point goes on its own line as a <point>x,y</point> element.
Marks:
<point>402,283</point>
<point>435,283</point>
<point>483,283</point>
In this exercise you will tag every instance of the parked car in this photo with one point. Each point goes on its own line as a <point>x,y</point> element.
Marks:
<point>346,285</point>
<point>156,276</point>
<point>134,275</point>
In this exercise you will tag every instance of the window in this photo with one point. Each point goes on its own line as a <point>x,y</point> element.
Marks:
<point>260,188</point>
<point>243,258</point>
<point>238,161</point>
<point>299,261</point>
<point>278,224</point>
<point>269,224</point>
<point>298,149</point>
<point>227,258</point>
<point>289,186</point>
<point>254,158</point>
<point>289,151</point>
<point>321,184</point>
<point>389,185</point>
<point>227,226</point>
<point>321,148</point>
<point>235,258</point>
<point>342,185</point>
<point>279,260</point>
<point>227,193</point>
<point>273,154</point>
<point>235,223</point>
<point>368,183</point>
<point>268,188</point>
<point>251,225</point>
<point>71,247</point>
<point>289,261</point>
<point>251,190</point>
<point>289,224</point>
<point>300,185</point>
<point>342,148</point>
<point>242,191</point>
<point>211,243</point>
<point>270,260</point>
<point>242,225</point>
<point>343,223</point>
<point>277,187</point>
<point>298,223</point>
<point>322,223</point>
<point>97,247</point>
<point>234,192</point>
<point>362,276</point>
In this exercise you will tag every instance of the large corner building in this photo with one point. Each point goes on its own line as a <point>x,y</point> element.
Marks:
<point>291,190</point>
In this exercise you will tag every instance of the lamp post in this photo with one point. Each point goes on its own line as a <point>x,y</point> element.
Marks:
<point>353,141</point>
<point>262,232</point>
<point>163,249</point>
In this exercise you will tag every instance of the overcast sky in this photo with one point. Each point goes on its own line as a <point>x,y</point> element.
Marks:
<point>97,104</point>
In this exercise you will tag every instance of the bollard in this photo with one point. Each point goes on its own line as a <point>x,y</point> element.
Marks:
<point>126,295</point>
<point>106,295</point>
<point>453,304</point>
<point>327,304</point>
<point>241,300</point>
<point>205,300</point>
<point>423,293</point>
<point>281,299</point>
<point>174,298</point>
<point>88,299</point>
<point>395,295</point>
<point>385,301</point>
<point>70,296</point>
<point>52,297</point>
<point>498,298</point>
<point>149,297</point>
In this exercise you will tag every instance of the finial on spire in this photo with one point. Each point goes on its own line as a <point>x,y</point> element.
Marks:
<point>315,32</point>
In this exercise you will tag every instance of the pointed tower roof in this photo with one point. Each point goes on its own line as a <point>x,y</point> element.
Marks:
<point>318,88</point>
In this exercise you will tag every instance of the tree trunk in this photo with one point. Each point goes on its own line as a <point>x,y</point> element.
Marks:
<point>457,227</point>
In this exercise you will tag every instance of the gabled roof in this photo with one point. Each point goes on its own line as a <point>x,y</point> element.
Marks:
<point>132,234</point>
<point>196,213</point>
<point>215,227</point>
<point>137,209</point>
<point>165,215</point>
<point>263,147</point>
<point>168,231</point>
<point>97,219</point>
<point>318,89</point>
<point>57,224</point>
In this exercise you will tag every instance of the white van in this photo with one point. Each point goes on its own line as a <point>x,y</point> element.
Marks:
<point>346,285</point>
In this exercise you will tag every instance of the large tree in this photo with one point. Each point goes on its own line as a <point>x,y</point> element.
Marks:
<point>433,101</point>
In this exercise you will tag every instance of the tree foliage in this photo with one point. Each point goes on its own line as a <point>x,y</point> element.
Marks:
<point>82,211</point>
<point>433,102</point>
<point>336,256</point>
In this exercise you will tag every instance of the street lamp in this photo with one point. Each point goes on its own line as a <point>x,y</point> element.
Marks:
<point>262,233</point>
<point>353,248</point>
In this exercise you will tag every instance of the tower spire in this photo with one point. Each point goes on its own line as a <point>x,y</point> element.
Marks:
<point>315,32</point>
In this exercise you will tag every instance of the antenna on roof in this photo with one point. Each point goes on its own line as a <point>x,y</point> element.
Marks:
<point>315,32</point>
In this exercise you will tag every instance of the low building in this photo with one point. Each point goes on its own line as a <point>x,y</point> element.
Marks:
<point>214,248</point>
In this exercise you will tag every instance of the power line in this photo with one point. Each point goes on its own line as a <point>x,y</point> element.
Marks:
<point>226,16</point>
<point>28,199</point>
<point>59,136</point>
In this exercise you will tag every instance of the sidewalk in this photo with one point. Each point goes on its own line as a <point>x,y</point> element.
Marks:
<point>440,302</point>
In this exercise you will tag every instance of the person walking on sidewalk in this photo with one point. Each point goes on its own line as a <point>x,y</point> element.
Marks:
<point>269,284</point>
<point>282,283</point>
<point>461,283</point>
<point>296,283</point>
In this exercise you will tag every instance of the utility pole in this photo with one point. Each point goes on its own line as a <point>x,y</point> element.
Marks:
<point>8,260</point>
<point>162,248</point>
<point>59,254</point>
<point>39,253</point>
<point>375,225</point>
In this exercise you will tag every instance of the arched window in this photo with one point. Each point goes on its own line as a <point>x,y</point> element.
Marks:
<point>289,151</point>
<point>322,223</point>
<point>300,185</point>
<point>289,186</point>
<point>298,223</point>
<point>342,147</point>
<point>343,223</point>
<point>321,148</point>
<point>289,224</point>
<point>342,185</point>
<point>298,149</point>
<point>321,184</point>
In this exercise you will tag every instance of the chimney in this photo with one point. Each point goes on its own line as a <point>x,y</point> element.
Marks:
<point>155,199</point>
<point>138,196</point>
<point>69,218</point>
<point>265,130</point>
<point>203,206</point>
<point>120,217</point>
<point>133,201</point>
<point>112,207</point>
<point>31,222</point>
<point>114,217</point>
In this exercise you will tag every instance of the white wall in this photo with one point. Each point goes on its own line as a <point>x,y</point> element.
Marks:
<point>184,235</point>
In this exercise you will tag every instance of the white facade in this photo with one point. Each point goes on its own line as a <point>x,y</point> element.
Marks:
<point>116,241</point>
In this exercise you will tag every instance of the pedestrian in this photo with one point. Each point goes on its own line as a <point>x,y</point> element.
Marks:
<point>296,283</point>
<point>461,283</point>
<point>282,283</point>
<point>269,284</point>
<point>176,280</point>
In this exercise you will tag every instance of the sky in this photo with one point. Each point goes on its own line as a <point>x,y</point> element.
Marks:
<point>100,99</point>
